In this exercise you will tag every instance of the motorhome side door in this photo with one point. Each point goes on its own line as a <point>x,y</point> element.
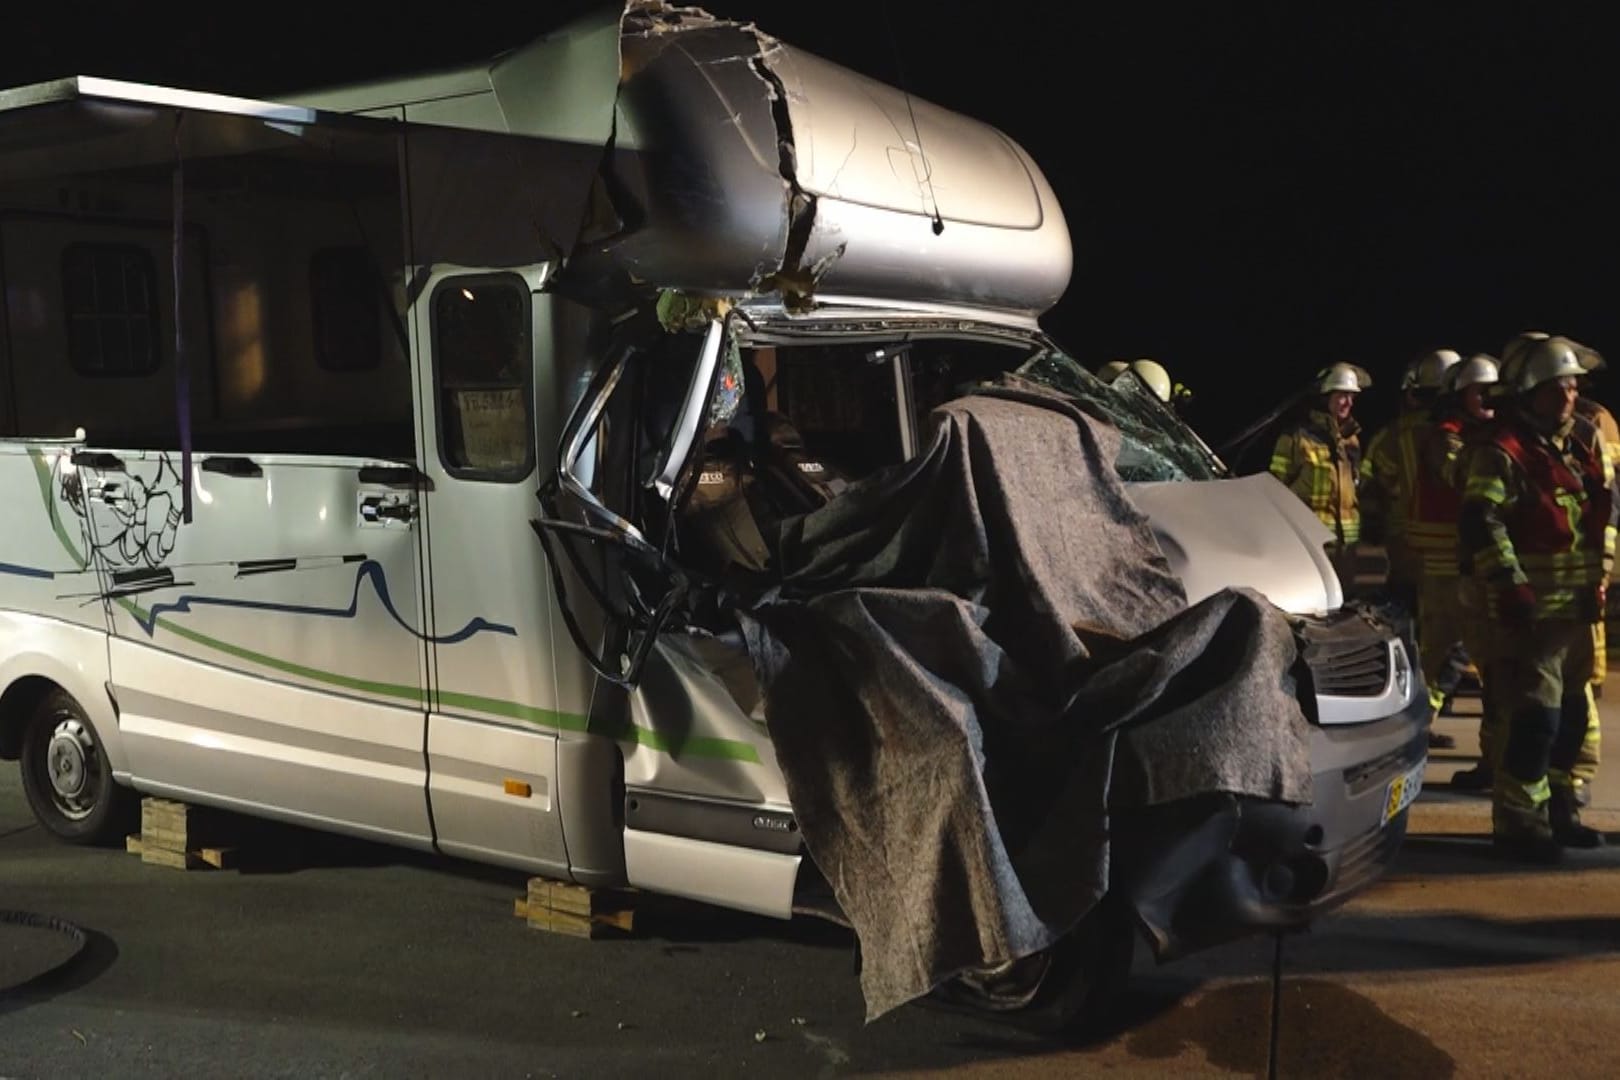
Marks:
<point>494,712</point>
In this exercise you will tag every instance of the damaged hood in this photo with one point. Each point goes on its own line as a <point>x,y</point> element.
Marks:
<point>1248,532</point>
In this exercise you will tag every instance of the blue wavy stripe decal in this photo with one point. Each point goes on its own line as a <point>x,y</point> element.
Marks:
<point>370,570</point>
<point>26,571</point>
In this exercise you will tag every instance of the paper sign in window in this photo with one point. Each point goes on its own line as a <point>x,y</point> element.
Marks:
<point>493,428</point>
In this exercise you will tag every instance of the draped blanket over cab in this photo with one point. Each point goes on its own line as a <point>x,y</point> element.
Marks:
<point>979,665</point>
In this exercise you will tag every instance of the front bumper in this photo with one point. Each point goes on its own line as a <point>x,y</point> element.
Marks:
<point>1278,867</point>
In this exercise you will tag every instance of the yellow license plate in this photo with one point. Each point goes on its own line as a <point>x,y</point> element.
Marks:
<point>1402,792</point>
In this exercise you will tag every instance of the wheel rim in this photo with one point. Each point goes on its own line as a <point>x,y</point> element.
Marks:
<point>71,766</point>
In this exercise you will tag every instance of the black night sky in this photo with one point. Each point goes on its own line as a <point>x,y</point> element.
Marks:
<point>1253,190</point>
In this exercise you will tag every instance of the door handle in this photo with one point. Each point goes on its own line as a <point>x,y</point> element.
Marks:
<point>230,465</point>
<point>396,476</point>
<point>384,509</point>
<point>98,459</point>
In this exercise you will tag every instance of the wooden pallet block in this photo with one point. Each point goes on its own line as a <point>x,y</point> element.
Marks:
<point>181,836</point>
<point>179,826</point>
<point>575,910</point>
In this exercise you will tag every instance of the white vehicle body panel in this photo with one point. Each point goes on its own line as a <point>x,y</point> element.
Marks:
<point>223,736</point>
<point>756,881</point>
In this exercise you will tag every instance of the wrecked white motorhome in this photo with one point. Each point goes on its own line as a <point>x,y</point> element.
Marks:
<point>280,385</point>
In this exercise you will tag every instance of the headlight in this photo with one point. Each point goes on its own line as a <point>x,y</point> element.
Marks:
<point>1403,670</point>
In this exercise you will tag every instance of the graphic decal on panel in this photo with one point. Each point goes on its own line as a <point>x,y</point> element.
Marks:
<point>370,570</point>
<point>143,512</point>
<point>142,516</point>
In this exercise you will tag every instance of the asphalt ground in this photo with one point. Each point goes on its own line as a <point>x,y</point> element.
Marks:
<point>328,957</point>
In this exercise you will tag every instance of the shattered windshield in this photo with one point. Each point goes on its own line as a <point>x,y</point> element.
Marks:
<point>1157,444</point>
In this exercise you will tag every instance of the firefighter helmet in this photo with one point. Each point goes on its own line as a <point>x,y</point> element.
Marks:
<point>1428,371</point>
<point>1154,377</point>
<point>1477,370</point>
<point>1345,377</point>
<point>1512,365</point>
<point>1547,359</point>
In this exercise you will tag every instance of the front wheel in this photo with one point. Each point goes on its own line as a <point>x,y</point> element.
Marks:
<point>67,777</point>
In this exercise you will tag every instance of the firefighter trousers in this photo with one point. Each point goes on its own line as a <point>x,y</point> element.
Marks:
<point>1543,672</point>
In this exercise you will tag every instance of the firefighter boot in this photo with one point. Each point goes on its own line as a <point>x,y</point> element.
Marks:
<point>1565,819</point>
<point>1524,834</point>
<point>1520,826</point>
<point>1563,807</point>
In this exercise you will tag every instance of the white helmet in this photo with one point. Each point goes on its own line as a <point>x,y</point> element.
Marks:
<point>1154,377</point>
<point>1513,354</point>
<point>1477,370</point>
<point>1590,358</point>
<point>1341,376</point>
<point>1112,370</point>
<point>1428,371</point>
<point>1547,359</point>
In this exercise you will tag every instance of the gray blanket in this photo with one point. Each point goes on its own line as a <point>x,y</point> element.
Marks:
<point>971,662</point>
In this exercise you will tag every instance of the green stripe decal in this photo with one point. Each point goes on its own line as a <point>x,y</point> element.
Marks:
<point>42,472</point>
<point>687,746</point>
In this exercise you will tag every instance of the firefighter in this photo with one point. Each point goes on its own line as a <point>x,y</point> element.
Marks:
<point>1388,491</point>
<point>1586,764</point>
<point>1152,375</point>
<point>1537,523</point>
<point>1319,459</point>
<point>1388,479</point>
<point>1463,416</point>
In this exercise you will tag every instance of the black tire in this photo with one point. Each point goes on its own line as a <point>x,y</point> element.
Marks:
<point>67,777</point>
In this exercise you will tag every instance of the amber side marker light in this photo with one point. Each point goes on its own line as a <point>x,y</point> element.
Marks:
<point>517,787</point>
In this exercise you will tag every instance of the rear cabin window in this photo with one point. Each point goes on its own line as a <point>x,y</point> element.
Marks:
<point>110,299</point>
<point>344,289</point>
<point>482,363</point>
<point>842,401</point>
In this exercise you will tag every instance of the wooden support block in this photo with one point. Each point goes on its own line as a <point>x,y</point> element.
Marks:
<point>178,835</point>
<point>220,858</point>
<point>178,826</point>
<point>576,899</point>
<point>179,860</point>
<point>574,909</point>
<point>559,922</point>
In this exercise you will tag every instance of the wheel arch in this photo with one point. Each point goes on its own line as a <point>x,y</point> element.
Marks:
<point>17,704</point>
<point>38,655</point>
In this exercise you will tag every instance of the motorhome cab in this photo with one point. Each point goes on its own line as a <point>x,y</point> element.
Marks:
<point>279,384</point>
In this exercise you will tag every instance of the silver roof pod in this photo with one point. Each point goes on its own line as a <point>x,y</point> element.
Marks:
<point>743,165</point>
<point>758,166</point>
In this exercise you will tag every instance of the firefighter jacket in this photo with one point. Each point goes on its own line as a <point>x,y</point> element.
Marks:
<point>1318,461</point>
<point>1538,510</point>
<point>1436,502</point>
<point>1389,478</point>
<point>1603,420</point>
